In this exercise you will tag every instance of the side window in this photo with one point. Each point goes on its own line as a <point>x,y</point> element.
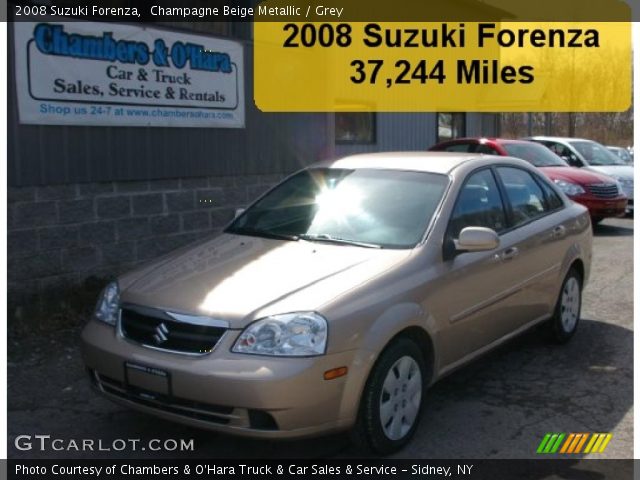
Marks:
<point>523,193</point>
<point>478,205</point>
<point>564,152</point>
<point>556,148</point>
<point>554,202</point>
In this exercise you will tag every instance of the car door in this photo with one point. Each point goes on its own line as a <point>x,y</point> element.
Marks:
<point>478,291</point>
<point>539,238</point>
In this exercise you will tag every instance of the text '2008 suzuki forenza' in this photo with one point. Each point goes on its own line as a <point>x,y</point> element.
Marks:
<point>339,296</point>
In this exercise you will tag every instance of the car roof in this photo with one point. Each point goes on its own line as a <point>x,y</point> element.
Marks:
<point>484,140</point>
<point>559,139</point>
<point>431,162</point>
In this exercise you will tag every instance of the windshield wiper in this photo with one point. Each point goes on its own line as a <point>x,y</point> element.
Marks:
<point>323,237</point>
<point>262,233</point>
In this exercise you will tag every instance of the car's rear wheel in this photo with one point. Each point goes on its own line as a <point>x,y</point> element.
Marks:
<point>566,317</point>
<point>392,399</point>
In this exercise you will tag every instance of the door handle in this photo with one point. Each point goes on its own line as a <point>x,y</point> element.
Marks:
<point>558,232</point>
<point>510,253</point>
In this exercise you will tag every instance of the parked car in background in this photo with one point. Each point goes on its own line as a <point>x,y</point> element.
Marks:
<point>623,153</point>
<point>591,155</point>
<point>599,193</point>
<point>336,299</point>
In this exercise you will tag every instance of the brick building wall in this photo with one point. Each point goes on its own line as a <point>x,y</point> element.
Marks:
<point>59,235</point>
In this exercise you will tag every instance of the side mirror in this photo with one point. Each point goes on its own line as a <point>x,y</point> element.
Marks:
<point>477,239</point>
<point>239,211</point>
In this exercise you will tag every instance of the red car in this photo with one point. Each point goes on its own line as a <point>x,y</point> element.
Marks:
<point>600,193</point>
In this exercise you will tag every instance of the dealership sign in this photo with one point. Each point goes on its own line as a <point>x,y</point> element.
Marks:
<point>88,73</point>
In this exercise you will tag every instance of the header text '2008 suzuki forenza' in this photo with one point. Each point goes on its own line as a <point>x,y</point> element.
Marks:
<point>337,298</point>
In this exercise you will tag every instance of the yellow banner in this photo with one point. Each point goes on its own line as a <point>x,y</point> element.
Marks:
<point>445,66</point>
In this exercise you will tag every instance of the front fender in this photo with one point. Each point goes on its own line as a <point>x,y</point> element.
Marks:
<point>388,325</point>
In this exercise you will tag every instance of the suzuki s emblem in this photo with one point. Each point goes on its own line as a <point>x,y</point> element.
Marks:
<point>162,334</point>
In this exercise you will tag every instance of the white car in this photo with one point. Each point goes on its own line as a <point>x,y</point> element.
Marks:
<point>623,153</point>
<point>582,153</point>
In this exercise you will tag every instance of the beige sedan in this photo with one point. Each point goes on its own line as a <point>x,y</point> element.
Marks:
<point>337,298</point>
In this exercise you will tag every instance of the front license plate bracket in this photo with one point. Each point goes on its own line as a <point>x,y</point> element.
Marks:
<point>148,382</point>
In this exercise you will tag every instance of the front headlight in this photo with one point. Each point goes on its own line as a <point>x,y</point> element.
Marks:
<point>108,304</point>
<point>624,182</point>
<point>569,188</point>
<point>301,334</point>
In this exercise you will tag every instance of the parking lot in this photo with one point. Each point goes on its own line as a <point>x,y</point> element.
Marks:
<point>498,407</point>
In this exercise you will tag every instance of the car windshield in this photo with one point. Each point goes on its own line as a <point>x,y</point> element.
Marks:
<point>363,207</point>
<point>620,152</point>
<point>535,154</point>
<point>596,154</point>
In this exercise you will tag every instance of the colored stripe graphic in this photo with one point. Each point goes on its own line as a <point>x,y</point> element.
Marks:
<point>550,443</point>
<point>565,447</point>
<point>605,442</point>
<point>581,442</point>
<point>556,445</point>
<point>543,443</point>
<point>598,443</point>
<point>573,443</point>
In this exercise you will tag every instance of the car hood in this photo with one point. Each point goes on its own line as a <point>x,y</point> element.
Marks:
<point>241,278</point>
<point>580,176</point>
<point>623,171</point>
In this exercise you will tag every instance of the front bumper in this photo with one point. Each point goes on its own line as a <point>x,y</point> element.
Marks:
<point>248,395</point>
<point>599,207</point>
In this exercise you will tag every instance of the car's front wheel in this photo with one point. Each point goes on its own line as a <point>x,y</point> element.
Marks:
<point>392,399</point>
<point>566,317</point>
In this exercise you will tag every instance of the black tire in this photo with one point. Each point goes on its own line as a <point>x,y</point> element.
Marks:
<point>369,433</point>
<point>566,315</point>
<point>596,220</point>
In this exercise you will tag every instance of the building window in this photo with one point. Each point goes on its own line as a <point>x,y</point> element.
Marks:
<point>450,125</point>
<point>354,128</point>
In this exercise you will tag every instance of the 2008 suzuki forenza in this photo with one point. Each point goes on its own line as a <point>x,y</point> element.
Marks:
<point>340,295</point>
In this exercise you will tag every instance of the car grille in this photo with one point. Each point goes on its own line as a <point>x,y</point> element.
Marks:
<point>165,334</point>
<point>603,190</point>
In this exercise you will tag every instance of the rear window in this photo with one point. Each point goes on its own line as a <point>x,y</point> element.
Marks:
<point>456,147</point>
